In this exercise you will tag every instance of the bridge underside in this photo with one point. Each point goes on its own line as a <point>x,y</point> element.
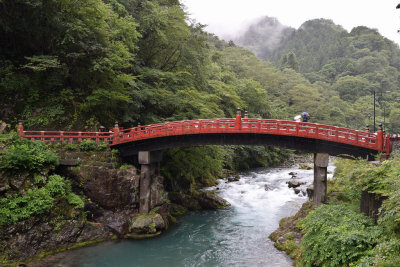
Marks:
<point>289,142</point>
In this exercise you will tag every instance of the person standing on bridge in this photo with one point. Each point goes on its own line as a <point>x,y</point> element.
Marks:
<point>305,116</point>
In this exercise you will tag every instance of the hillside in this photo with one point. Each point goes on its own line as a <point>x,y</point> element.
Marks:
<point>349,66</point>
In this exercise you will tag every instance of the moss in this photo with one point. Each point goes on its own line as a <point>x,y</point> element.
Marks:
<point>155,210</point>
<point>283,221</point>
<point>47,253</point>
<point>290,236</point>
<point>142,236</point>
<point>290,247</point>
<point>142,216</point>
<point>152,227</point>
<point>171,218</point>
<point>179,210</point>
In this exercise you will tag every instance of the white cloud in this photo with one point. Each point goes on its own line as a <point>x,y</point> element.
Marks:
<point>227,17</point>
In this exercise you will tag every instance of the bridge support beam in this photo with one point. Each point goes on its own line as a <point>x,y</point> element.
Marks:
<point>321,161</point>
<point>149,167</point>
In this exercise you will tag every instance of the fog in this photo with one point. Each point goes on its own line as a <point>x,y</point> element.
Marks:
<point>228,19</point>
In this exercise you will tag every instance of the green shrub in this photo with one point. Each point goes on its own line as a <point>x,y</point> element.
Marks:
<point>75,201</point>
<point>71,147</point>
<point>37,201</point>
<point>57,186</point>
<point>102,146</point>
<point>87,145</point>
<point>7,137</point>
<point>385,254</point>
<point>38,179</point>
<point>34,202</point>
<point>25,155</point>
<point>335,235</point>
<point>126,166</point>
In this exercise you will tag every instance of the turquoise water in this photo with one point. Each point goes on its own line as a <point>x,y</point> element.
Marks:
<point>236,236</point>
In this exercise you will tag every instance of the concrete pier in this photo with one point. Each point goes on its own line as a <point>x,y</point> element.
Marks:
<point>149,167</point>
<point>321,161</point>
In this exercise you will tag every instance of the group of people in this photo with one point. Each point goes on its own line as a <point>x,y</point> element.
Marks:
<point>304,117</point>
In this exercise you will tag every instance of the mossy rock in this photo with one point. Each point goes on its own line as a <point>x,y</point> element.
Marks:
<point>147,224</point>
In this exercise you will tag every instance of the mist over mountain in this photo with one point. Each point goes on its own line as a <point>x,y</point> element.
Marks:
<point>316,43</point>
<point>263,36</point>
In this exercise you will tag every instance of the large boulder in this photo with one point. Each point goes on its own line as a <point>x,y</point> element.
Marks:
<point>185,200</point>
<point>198,200</point>
<point>210,200</point>
<point>147,224</point>
<point>294,183</point>
<point>117,223</point>
<point>306,166</point>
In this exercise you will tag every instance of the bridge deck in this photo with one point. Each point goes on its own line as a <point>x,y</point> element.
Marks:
<point>364,139</point>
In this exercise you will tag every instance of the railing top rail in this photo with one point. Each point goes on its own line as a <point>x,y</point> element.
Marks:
<point>225,125</point>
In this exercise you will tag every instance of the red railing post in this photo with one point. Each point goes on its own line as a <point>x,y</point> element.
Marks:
<point>20,129</point>
<point>115,136</point>
<point>238,121</point>
<point>246,116</point>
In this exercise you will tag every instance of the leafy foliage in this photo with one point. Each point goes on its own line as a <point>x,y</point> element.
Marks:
<point>25,155</point>
<point>126,166</point>
<point>37,201</point>
<point>336,236</point>
<point>87,145</point>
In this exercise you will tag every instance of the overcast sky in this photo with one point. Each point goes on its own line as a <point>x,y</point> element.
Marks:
<point>226,18</point>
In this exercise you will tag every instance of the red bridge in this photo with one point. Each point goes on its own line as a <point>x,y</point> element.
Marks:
<point>148,142</point>
<point>303,136</point>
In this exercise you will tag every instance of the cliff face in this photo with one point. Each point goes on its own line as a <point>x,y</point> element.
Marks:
<point>110,207</point>
<point>111,199</point>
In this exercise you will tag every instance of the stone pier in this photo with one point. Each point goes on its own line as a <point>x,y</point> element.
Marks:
<point>149,167</point>
<point>321,161</point>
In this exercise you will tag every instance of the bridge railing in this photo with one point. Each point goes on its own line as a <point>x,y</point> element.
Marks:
<point>66,136</point>
<point>375,141</point>
<point>256,126</point>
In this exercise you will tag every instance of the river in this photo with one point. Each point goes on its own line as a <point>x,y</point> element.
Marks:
<point>235,236</point>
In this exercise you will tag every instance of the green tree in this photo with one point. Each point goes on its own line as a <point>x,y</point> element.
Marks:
<point>351,88</point>
<point>290,61</point>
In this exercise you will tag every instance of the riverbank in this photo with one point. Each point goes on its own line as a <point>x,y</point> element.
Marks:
<point>337,233</point>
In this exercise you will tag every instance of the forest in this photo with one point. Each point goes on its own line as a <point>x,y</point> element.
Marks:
<point>77,65</point>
